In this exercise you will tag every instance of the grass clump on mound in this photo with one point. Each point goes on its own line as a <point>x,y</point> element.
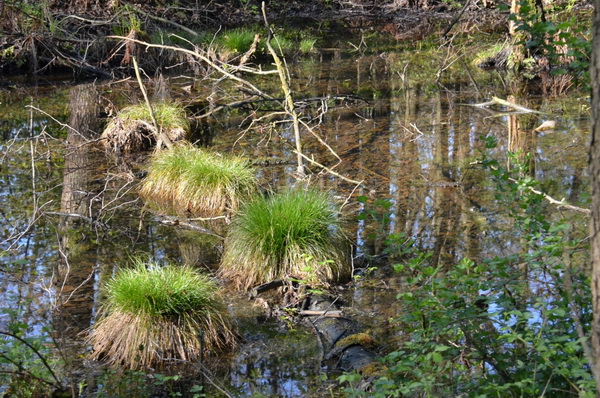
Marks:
<point>153,312</point>
<point>194,182</point>
<point>131,130</point>
<point>294,234</point>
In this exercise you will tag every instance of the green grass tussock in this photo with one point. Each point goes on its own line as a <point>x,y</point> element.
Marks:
<point>191,181</point>
<point>131,130</point>
<point>294,234</point>
<point>167,115</point>
<point>153,312</point>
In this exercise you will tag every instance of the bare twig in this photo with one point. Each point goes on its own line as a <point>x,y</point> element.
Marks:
<point>327,169</point>
<point>288,103</point>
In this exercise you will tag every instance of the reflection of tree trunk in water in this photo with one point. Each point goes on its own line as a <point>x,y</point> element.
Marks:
<point>74,279</point>
<point>469,202</point>
<point>404,166</point>
<point>520,139</point>
<point>197,249</point>
<point>446,213</point>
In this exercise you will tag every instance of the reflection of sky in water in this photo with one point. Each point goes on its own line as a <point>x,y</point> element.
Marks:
<point>262,366</point>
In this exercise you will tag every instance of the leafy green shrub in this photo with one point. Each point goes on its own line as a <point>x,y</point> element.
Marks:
<point>508,326</point>
<point>294,234</point>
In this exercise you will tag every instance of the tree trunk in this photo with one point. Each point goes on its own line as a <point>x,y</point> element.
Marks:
<point>595,183</point>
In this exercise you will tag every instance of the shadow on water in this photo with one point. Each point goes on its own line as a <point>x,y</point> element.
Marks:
<point>71,215</point>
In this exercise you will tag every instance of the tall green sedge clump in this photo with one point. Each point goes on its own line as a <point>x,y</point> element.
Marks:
<point>294,234</point>
<point>131,129</point>
<point>191,181</point>
<point>153,312</point>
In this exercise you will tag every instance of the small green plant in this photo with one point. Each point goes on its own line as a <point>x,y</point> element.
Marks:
<point>27,366</point>
<point>154,312</point>
<point>128,21</point>
<point>191,181</point>
<point>294,234</point>
<point>237,40</point>
<point>307,45</point>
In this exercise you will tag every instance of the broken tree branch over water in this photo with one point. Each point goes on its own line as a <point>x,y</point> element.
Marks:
<point>185,224</point>
<point>255,102</point>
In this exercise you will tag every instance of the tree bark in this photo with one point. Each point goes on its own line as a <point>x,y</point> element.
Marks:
<point>595,184</point>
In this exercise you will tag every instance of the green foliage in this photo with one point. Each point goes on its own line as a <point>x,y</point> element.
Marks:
<point>29,16</point>
<point>128,21</point>
<point>377,213</point>
<point>26,364</point>
<point>505,327</point>
<point>307,45</point>
<point>564,39</point>
<point>237,40</point>
<point>296,233</point>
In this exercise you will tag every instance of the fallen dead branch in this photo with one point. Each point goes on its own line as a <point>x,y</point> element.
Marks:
<point>288,103</point>
<point>185,224</point>
<point>498,101</point>
<point>199,55</point>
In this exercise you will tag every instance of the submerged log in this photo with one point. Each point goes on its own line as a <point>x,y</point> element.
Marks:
<point>343,341</point>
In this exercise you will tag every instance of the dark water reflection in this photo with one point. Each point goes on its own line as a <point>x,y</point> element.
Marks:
<point>411,141</point>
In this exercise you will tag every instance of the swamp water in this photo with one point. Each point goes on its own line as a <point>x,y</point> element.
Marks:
<point>397,118</point>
